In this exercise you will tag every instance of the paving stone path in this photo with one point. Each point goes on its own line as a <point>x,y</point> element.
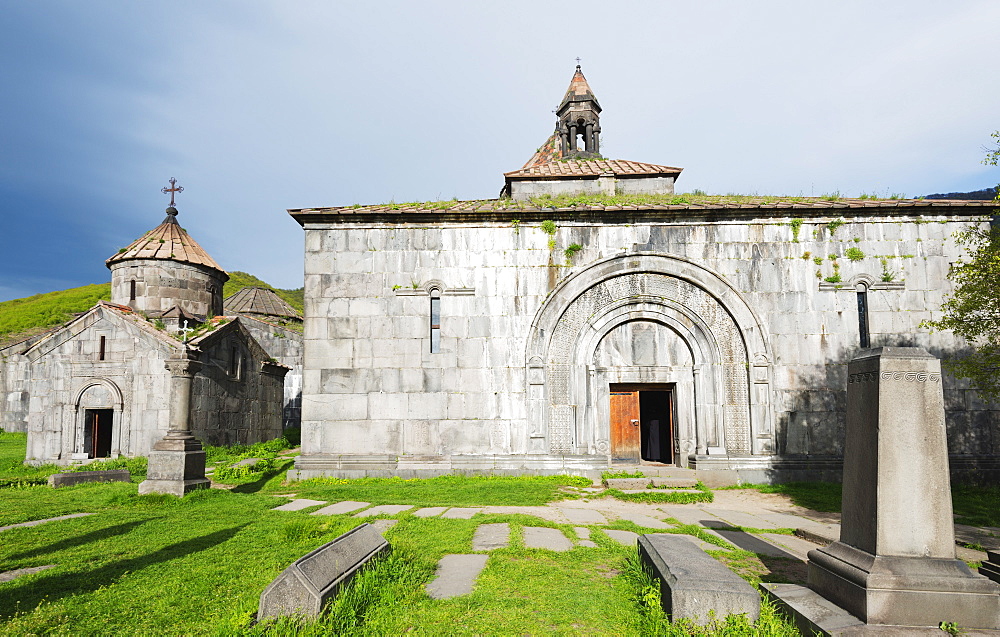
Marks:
<point>491,536</point>
<point>456,575</point>
<point>9,575</point>
<point>347,506</point>
<point>539,537</point>
<point>298,504</point>
<point>383,509</point>
<point>37,522</point>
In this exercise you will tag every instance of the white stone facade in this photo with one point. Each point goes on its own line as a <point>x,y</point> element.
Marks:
<point>732,313</point>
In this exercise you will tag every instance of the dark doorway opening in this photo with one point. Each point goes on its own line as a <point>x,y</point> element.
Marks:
<point>642,423</point>
<point>655,426</point>
<point>97,432</point>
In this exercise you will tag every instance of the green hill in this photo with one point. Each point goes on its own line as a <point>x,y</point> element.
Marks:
<point>31,315</point>
<point>46,310</point>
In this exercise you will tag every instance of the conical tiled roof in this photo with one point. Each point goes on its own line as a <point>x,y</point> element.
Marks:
<point>254,300</point>
<point>579,91</point>
<point>167,241</point>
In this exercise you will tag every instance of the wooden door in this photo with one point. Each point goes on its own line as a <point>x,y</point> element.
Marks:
<point>625,439</point>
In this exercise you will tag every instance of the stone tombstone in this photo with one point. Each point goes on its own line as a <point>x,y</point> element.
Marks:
<point>694,584</point>
<point>895,562</point>
<point>312,580</point>
<point>57,480</point>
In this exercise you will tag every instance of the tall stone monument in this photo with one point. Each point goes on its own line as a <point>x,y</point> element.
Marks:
<point>895,562</point>
<point>177,461</point>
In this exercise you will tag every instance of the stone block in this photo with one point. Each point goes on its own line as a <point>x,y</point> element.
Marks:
<point>314,579</point>
<point>79,477</point>
<point>692,583</point>
<point>627,483</point>
<point>456,574</point>
<point>991,567</point>
<point>537,537</point>
<point>491,536</point>
<point>674,483</point>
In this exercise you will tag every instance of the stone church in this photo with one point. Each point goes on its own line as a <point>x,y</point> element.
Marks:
<point>590,317</point>
<point>98,387</point>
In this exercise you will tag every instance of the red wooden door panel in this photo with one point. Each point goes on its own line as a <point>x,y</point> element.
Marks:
<point>625,441</point>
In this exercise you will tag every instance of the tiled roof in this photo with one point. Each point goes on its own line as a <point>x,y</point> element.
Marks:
<point>578,90</point>
<point>167,241</point>
<point>256,300</point>
<point>589,168</point>
<point>667,206</point>
<point>551,150</point>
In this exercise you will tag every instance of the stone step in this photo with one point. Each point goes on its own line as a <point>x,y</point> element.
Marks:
<point>456,575</point>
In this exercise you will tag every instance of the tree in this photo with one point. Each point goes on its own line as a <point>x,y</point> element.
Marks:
<point>972,311</point>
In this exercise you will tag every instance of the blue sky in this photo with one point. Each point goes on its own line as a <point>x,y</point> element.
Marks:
<point>256,107</point>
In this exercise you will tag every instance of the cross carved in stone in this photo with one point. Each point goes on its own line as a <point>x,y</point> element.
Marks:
<point>174,188</point>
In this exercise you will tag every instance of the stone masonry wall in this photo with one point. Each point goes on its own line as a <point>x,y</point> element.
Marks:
<point>372,386</point>
<point>285,345</point>
<point>162,284</point>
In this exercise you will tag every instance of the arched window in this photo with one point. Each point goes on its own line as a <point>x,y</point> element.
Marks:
<point>862,291</point>
<point>435,320</point>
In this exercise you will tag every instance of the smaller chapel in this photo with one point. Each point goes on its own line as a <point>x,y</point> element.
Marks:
<point>98,387</point>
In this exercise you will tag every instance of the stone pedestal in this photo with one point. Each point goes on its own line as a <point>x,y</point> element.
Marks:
<point>177,462</point>
<point>895,562</point>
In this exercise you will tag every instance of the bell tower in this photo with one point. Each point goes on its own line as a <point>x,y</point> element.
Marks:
<point>579,125</point>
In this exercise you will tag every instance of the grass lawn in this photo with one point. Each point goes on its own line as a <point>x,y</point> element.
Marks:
<point>162,565</point>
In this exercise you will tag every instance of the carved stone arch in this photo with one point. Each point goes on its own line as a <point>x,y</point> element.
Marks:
<point>98,393</point>
<point>113,389</point>
<point>717,320</point>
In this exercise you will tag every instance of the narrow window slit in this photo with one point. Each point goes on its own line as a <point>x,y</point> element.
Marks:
<point>435,321</point>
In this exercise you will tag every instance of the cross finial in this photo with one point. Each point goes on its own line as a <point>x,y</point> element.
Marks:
<point>185,330</point>
<point>577,62</point>
<point>174,188</point>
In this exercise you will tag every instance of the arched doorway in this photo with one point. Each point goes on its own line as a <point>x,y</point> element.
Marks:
<point>657,322</point>
<point>97,431</point>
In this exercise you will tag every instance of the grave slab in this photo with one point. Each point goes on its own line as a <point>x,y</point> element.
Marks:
<point>587,543</point>
<point>456,575</point>
<point>298,505</point>
<point>341,507</point>
<point>384,509</point>
<point>811,612</point>
<point>429,512</point>
<point>37,522</point>
<point>644,520</point>
<point>11,575</point>
<point>461,513</point>
<point>582,532</point>
<point>69,479</point>
<point>584,516</point>
<point>536,537</point>
<point>491,536</point>
<point>628,538</point>
<point>692,583</point>
<point>312,580</point>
